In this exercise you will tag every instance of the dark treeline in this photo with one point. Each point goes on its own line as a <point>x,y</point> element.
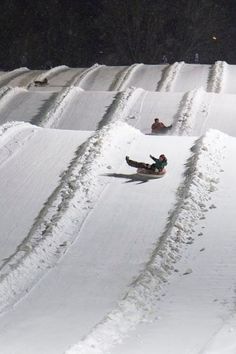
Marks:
<point>78,33</point>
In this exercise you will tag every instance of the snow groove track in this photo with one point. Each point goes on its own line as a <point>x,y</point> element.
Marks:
<point>201,178</point>
<point>216,80</point>
<point>47,239</point>
<point>133,260</point>
<point>42,246</point>
<point>82,77</point>
<point>30,253</point>
<point>120,84</point>
<point>186,115</point>
<point>6,78</point>
<point>169,77</point>
<point>55,111</point>
<point>3,91</point>
<point>121,105</point>
<point>51,72</point>
<point>28,78</point>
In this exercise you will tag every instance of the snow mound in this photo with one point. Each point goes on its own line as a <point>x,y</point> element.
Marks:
<point>217,77</point>
<point>11,127</point>
<point>78,81</point>
<point>58,223</point>
<point>6,94</point>
<point>170,76</point>
<point>51,72</point>
<point>9,146</point>
<point>53,115</point>
<point>187,112</point>
<point>10,74</point>
<point>201,177</point>
<point>121,105</point>
<point>120,83</point>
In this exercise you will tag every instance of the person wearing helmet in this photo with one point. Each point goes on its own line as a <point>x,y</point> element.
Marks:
<point>159,163</point>
<point>157,166</point>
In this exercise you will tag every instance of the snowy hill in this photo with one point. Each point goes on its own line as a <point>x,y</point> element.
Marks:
<point>94,258</point>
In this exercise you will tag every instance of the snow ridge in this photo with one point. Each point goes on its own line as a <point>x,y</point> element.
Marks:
<point>11,75</point>
<point>51,72</point>
<point>216,79</point>
<point>6,94</point>
<point>169,77</point>
<point>119,84</point>
<point>78,80</point>
<point>54,114</point>
<point>187,112</point>
<point>8,128</point>
<point>193,199</point>
<point>22,132</point>
<point>121,105</point>
<point>58,222</point>
<point>3,91</point>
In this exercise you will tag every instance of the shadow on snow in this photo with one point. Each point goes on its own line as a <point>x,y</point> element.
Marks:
<point>134,177</point>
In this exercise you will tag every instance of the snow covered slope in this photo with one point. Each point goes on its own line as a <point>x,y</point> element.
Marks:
<point>95,259</point>
<point>178,77</point>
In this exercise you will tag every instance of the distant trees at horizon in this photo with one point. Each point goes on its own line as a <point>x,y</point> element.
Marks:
<point>79,33</point>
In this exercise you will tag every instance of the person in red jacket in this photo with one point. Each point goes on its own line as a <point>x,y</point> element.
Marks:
<point>159,127</point>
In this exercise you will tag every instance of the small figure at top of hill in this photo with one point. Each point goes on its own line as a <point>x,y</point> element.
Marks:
<point>43,82</point>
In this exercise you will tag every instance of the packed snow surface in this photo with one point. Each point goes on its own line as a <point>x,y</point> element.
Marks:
<point>95,259</point>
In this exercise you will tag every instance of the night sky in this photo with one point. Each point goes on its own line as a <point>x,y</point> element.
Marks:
<point>78,33</point>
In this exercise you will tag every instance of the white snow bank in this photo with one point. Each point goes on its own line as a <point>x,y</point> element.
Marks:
<point>58,223</point>
<point>217,75</point>
<point>202,175</point>
<point>6,94</point>
<point>54,114</point>
<point>121,105</point>
<point>12,73</point>
<point>125,76</point>
<point>51,72</point>
<point>118,110</point>
<point>169,77</point>
<point>78,80</point>
<point>7,129</point>
<point>8,145</point>
<point>187,112</point>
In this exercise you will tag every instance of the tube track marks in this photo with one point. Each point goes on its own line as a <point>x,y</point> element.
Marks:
<point>169,76</point>
<point>57,107</point>
<point>185,117</point>
<point>216,78</point>
<point>52,72</point>
<point>83,76</point>
<point>121,82</point>
<point>121,105</point>
<point>193,198</point>
<point>53,108</point>
<point>56,225</point>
